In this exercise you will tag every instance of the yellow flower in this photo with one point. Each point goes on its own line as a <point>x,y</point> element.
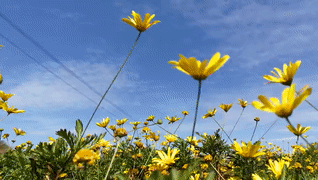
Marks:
<point>122,121</point>
<point>248,150</point>
<point>151,118</point>
<point>195,177</point>
<point>112,127</point>
<point>1,79</point>
<point>197,69</point>
<point>297,165</point>
<point>5,136</point>
<point>164,143</point>
<point>185,166</point>
<point>172,119</point>
<point>298,148</point>
<point>223,169</point>
<point>85,155</point>
<point>2,104</point>
<point>11,109</point>
<point>62,175</point>
<point>185,113</point>
<point>104,143</point>
<point>193,141</point>
<point>138,23</point>
<point>166,159</point>
<point>152,136</point>
<point>19,132</point>
<point>104,123</point>
<point>310,168</point>
<point>286,77</point>
<point>226,107</point>
<point>120,132</point>
<point>256,177</point>
<point>146,129</point>
<point>299,130</point>
<point>289,102</point>
<point>210,113</point>
<point>171,138</point>
<point>243,103</point>
<point>29,142</point>
<point>5,96</point>
<point>257,119</point>
<point>286,158</point>
<point>204,166</point>
<point>135,123</point>
<point>207,158</point>
<point>277,166</point>
<point>139,144</point>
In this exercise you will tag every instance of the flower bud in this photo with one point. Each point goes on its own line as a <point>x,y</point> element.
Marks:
<point>159,121</point>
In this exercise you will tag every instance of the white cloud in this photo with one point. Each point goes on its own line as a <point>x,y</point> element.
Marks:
<point>255,33</point>
<point>44,90</point>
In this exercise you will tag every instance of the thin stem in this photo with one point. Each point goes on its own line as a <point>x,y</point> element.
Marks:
<point>122,66</point>
<point>109,132</point>
<point>297,140</point>
<point>196,109</point>
<point>217,171</point>
<point>222,129</point>
<point>70,157</point>
<point>308,102</point>
<point>295,128</point>
<point>179,125</point>
<point>147,160</point>
<point>268,129</point>
<point>163,129</point>
<point>132,139</point>
<point>254,130</point>
<point>5,117</point>
<point>224,123</point>
<point>236,122</point>
<point>111,162</point>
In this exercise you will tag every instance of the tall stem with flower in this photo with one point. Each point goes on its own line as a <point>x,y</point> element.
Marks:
<point>199,71</point>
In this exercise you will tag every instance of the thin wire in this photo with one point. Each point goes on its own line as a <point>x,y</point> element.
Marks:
<point>50,71</point>
<point>59,62</point>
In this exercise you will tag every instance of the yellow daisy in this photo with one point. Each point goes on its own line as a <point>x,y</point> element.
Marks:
<point>289,102</point>
<point>137,22</point>
<point>286,77</point>
<point>197,69</point>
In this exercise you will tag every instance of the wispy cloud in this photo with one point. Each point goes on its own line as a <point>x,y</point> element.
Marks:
<point>256,33</point>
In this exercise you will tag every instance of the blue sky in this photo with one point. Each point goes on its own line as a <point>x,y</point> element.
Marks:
<point>90,38</point>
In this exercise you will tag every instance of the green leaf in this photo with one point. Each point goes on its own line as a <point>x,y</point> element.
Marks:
<point>67,136</point>
<point>79,128</point>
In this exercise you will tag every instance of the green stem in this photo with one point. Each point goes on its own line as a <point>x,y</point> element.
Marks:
<point>254,130</point>
<point>179,125</point>
<point>5,117</point>
<point>71,156</point>
<point>222,129</point>
<point>111,162</point>
<point>163,129</point>
<point>196,109</point>
<point>224,123</point>
<point>308,102</point>
<point>236,122</point>
<point>122,66</point>
<point>268,129</point>
<point>109,132</point>
<point>297,140</point>
<point>150,155</point>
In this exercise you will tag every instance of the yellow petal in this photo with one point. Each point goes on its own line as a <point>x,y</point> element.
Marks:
<point>301,98</point>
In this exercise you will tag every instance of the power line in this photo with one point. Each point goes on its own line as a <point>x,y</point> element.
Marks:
<point>50,71</point>
<point>59,62</point>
